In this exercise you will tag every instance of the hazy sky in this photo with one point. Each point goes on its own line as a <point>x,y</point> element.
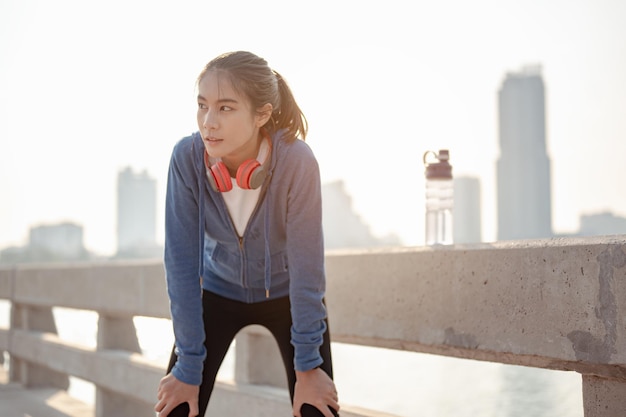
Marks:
<point>89,87</point>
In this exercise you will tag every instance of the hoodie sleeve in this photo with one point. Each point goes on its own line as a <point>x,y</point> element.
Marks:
<point>305,248</point>
<point>182,259</point>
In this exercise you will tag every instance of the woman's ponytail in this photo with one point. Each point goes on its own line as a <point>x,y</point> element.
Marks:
<point>288,114</point>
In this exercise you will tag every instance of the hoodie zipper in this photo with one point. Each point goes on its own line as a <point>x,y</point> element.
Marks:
<point>241,239</point>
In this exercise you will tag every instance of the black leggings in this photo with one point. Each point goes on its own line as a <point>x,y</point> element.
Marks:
<point>223,318</point>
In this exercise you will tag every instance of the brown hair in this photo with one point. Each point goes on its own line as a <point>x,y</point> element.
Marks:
<point>251,76</point>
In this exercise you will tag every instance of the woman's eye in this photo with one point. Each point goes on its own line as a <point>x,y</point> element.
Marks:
<point>226,108</point>
<point>201,106</point>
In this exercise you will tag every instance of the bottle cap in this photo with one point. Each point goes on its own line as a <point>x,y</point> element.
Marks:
<point>439,170</point>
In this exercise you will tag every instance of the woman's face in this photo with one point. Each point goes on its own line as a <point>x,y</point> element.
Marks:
<point>228,125</point>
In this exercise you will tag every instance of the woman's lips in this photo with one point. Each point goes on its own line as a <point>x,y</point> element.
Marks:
<point>212,140</point>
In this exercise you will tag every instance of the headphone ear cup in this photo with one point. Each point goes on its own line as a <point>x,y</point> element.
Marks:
<point>220,178</point>
<point>249,174</point>
<point>257,177</point>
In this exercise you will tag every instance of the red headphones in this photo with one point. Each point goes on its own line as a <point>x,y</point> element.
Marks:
<point>250,174</point>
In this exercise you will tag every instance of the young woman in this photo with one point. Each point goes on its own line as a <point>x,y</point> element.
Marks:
<point>243,242</point>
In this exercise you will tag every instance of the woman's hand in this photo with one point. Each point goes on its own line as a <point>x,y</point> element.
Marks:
<point>172,393</point>
<point>316,388</point>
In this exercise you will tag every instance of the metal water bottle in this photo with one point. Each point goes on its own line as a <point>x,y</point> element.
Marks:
<point>439,197</point>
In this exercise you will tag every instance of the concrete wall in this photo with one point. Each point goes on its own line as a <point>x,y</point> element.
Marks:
<point>555,304</point>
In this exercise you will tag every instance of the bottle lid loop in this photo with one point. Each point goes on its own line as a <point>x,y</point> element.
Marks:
<point>439,170</point>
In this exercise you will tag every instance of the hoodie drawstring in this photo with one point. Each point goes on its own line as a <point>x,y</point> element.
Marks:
<point>201,175</point>
<point>268,258</point>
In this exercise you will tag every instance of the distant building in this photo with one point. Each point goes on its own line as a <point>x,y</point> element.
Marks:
<point>136,215</point>
<point>61,242</point>
<point>600,224</point>
<point>523,169</point>
<point>466,211</point>
<point>343,228</point>
<point>64,239</point>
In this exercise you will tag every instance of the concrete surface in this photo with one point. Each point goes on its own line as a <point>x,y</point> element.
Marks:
<point>15,401</point>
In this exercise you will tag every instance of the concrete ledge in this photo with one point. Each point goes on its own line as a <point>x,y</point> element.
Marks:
<point>550,304</point>
<point>93,286</point>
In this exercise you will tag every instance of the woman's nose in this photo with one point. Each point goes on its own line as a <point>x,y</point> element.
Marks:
<point>210,120</point>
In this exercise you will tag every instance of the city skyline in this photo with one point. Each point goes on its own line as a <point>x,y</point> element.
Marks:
<point>343,228</point>
<point>381,84</point>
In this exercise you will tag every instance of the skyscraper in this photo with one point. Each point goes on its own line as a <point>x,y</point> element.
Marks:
<point>136,213</point>
<point>523,169</point>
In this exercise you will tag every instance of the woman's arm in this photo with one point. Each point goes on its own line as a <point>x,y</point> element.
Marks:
<point>182,254</point>
<point>305,247</point>
<point>182,258</point>
<point>305,253</point>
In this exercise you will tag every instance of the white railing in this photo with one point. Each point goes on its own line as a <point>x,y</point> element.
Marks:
<point>555,304</point>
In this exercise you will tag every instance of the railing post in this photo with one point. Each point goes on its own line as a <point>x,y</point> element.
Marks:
<point>257,358</point>
<point>603,397</point>
<point>39,319</point>
<point>118,333</point>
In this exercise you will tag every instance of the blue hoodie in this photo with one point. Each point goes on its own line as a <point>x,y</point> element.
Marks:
<point>280,254</point>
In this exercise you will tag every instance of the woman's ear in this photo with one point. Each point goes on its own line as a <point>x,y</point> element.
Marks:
<point>263,114</point>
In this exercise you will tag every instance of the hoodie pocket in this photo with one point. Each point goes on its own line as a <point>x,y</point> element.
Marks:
<point>224,264</point>
<point>279,271</point>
